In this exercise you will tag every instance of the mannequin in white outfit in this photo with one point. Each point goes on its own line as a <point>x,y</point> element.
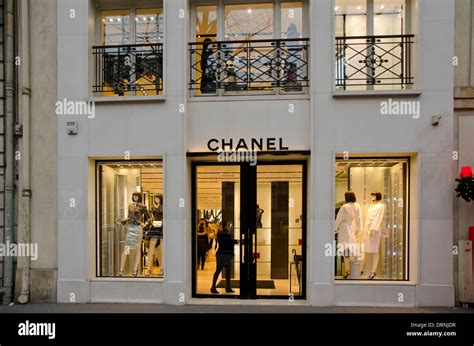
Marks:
<point>348,224</point>
<point>373,234</point>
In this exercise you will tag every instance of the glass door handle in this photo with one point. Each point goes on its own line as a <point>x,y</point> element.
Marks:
<point>254,244</point>
<point>242,247</point>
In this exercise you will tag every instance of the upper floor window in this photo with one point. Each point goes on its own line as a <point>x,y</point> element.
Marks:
<point>373,44</point>
<point>249,48</point>
<point>129,61</point>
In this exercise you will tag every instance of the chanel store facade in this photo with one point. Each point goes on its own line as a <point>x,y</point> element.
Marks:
<point>239,152</point>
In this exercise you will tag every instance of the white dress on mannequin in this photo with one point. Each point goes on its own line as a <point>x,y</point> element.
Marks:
<point>373,227</point>
<point>348,223</point>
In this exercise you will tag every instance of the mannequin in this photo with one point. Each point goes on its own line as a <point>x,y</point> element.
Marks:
<point>155,234</point>
<point>348,225</point>
<point>372,234</point>
<point>137,217</point>
<point>259,216</point>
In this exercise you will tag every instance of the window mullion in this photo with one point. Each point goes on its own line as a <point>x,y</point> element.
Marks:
<point>277,19</point>
<point>133,25</point>
<point>370,17</point>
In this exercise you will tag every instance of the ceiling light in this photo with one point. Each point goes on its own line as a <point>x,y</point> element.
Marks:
<point>111,20</point>
<point>359,7</point>
<point>152,18</point>
<point>336,8</point>
<point>136,18</point>
<point>382,7</point>
<point>119,19</point>
<point>144,19</point>
<point>249,11</point>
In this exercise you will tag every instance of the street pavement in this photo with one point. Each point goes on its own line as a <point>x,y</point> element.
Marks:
<point>228,308</point>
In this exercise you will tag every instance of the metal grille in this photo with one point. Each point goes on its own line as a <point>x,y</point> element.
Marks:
<point>241,66</point>
<point>374,60</point>
<point>128,70</point>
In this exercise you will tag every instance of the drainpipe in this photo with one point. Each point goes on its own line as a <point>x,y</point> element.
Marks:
<point>24,145</point>
<point>10,86</point>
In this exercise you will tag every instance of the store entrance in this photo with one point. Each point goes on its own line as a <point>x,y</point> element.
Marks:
<point>249,229</point>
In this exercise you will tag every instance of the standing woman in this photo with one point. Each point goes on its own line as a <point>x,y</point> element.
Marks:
<point>348,224</point>
<point>202,243</point>
<point>208,78</point>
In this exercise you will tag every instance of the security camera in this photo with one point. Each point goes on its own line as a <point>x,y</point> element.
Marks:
<point>435,119</point>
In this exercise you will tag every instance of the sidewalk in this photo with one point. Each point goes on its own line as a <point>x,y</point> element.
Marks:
<point>231,308</point>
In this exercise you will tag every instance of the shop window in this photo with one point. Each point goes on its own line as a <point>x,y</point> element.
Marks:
<point>249,48</point>
<point>373,44</point>
<point>129,61</point>
<point>130,219</point>
<point>371,219</point>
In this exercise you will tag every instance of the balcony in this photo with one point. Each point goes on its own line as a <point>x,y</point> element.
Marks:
<point>275,66</point>
<point>128,70</point>
<point>374,62</point>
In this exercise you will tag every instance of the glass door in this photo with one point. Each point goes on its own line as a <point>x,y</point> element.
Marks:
<point>216,230</point>
<point>249,230</point>
<point>280,230</point>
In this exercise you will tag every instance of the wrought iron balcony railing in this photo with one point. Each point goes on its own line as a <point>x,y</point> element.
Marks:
<point>128,70</point>
<point>279,65</point>
<point>370,61</point>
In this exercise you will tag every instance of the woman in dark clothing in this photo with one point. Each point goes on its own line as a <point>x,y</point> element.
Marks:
<point>224,256</point>
<point>208,80</point>
<point>202,243</point>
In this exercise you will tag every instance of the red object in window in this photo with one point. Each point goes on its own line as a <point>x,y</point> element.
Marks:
<point>300,241</point>
<point>256,255</point>
<point>471,233</point>
<point>466,172</point>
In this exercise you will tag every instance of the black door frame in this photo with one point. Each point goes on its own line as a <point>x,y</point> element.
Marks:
<point>248,191</point>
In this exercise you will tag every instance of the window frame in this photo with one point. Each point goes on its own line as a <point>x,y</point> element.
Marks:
<point>131,6</point>
<point>370,18</point>
<point>220,25</point>
<point>221,10</point>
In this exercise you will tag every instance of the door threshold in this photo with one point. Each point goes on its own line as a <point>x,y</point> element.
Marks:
<point>262,302</point>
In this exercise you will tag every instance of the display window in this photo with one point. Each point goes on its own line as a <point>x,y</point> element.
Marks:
<point>249,230</point>
<point>371,226</point>
<point>130,219</point>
